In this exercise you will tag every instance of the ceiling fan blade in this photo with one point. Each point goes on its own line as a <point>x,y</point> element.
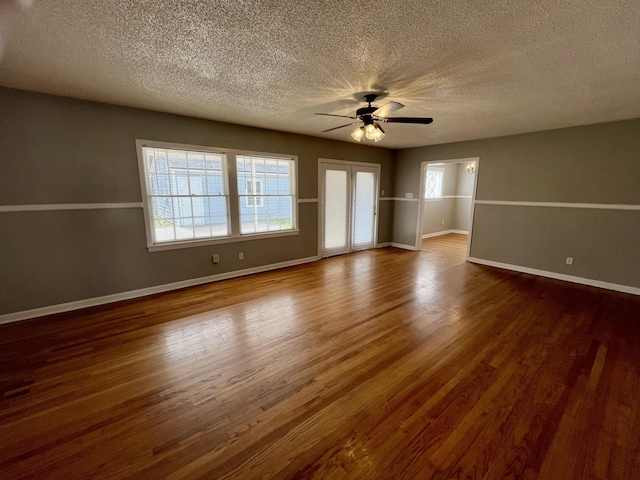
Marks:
<point>341,126</point>
<point>333,115</point>
<point>388,108</point>
<point>421,120</point>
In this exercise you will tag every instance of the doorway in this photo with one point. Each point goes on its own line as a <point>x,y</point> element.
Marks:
<point>447,196</point>
<point>349,206</point>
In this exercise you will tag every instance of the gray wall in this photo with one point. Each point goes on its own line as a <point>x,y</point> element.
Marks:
<point>58,150</point>
<point>438,215</point>
<point>464,187</point>
<point>594,164</point>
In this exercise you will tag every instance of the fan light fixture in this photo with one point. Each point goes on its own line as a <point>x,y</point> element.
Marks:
<point>369,116</point>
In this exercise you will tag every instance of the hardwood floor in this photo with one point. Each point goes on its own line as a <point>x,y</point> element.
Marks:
<point>454,244</point>
<point>384,364</point>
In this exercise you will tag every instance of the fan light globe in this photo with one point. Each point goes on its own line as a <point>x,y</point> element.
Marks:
<point>357,134</point>
<point>370,131</point>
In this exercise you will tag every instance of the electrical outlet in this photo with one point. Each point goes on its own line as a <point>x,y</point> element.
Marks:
<point>443,222</point>
<point>382,193</point>
<point>215,258</point>
<point>569,260</point>
<point>241,256</point>
<point>408,195</point>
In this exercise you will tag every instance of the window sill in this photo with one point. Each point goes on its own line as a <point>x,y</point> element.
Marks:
<point>216,241</point>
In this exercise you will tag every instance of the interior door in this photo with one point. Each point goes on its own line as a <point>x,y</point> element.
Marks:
<point>349,207</point>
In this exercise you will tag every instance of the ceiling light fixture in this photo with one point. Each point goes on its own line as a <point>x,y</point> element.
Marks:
<point>369,116</point>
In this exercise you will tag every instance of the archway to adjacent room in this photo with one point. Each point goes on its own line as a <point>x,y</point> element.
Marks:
<point>445,213</point>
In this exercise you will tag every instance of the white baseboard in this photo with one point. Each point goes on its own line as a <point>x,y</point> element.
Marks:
<point>397,245</point>
<point>558,276</point>
<point>116,297</point>
<point>403,246</point>
<point>445,232</point>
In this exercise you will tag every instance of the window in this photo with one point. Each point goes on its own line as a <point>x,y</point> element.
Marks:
<point>186,194</point>
<point>433,183</point>
<point>265,184</point>
<point>188,202</point>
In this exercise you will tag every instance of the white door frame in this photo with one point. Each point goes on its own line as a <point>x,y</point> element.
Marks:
<point>325,161</point>
<point>423,167</point>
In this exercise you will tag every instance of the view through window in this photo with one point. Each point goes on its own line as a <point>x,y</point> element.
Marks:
<point>187,196</point>
<point>433,184</point>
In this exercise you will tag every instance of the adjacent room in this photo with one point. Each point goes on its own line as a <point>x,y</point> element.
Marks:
<point>446,211</point>
<point>319,240</point>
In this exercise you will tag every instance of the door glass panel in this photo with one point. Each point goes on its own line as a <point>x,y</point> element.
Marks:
<point>336,203</point>
<point>363,209</point>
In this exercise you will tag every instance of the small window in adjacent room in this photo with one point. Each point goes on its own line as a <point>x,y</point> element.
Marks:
<point>433,184</point>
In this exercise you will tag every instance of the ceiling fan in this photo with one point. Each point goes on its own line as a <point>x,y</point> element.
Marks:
<point>371,116</point>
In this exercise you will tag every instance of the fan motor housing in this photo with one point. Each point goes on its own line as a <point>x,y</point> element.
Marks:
<point>365,111</point>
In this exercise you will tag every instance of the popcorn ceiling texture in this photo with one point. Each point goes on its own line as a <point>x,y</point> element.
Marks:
<point>481,68</point>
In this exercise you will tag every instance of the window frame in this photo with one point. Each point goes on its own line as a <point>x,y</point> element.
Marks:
<point>439,197</point>
<point>231,181</point>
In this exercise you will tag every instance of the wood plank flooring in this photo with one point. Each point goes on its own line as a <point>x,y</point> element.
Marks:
<point>384,364</point>
<point>454,244</point>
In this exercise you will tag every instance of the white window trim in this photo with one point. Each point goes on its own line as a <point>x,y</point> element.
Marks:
<point>231,179</point>
<point>439,197</point>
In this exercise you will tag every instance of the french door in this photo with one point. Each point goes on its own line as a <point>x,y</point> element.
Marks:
<point>349,207</point>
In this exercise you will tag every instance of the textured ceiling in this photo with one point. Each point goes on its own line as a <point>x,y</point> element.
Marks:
<point>480,68</point>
